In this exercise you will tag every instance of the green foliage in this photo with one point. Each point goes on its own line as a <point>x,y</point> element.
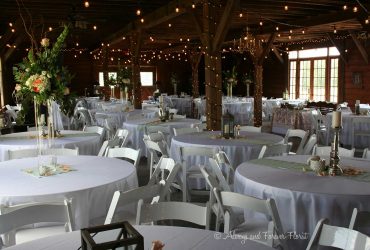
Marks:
<point>42,77</point>
<point>230,77</point>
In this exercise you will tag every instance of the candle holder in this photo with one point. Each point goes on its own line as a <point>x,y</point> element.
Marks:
<point>334,168</point>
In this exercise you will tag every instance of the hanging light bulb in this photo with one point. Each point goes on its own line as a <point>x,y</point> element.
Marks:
<point>345,7</point>
<point>286,7</point>
<point>138,12</point>
<point>87,4</point>
<point>335,30</point>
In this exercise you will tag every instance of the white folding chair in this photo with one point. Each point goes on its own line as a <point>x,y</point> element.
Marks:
<point>337,237</point>
<point>223,170</point>
<point>122,134</point>
<point>181,131</point>
<point>12,218</point>
<point>274,150</point>
<point>325,151</point>
<point>273,227</point>
<point>319,127</point>
<point>149,213</point>
<point>298,138</point>
<point>60,151</point>
<point>251,129</point>
<point>193,172</point>
<point>22,153</point>
<point>366,154</point>
<point>115,142</point>
<point>311,142</point>
<point>360,220</point>
<point>125,153</point>
<point>165,130</point>
<point>95,129</point>
<point>360,128</point>
<point>156,151</point>
<point>123,198</point>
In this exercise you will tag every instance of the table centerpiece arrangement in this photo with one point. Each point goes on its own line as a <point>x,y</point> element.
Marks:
<point>42,80</point>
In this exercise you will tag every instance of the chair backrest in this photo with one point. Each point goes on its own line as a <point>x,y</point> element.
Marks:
<point>274,150</point>
<point>251,129</point>
<point>22,153</point>
<point>179,116</point>
<point>223,169</point>
<point>61,151</point>
<point>115,142</point>
<point>122,134</point>
<point>298,138</point>
<point>172,210</point>
<point>25,214</point>
<point>338,237</point>
<point>325,151</point>
<point>228,200</point>
<point>121,198</point>
<point>206,152</point>
<point>94,129</point>
<point>359,220</point>
<point>126,153</point>
<point>311,142</point>
<point>165,130</point>
<point>181,131</point>
<point>366,154</point>
<point>360,127</point>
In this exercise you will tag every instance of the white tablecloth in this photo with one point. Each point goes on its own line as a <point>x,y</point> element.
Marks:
<point>303,198</point>
<point>87,143</point>
<point>346,133</point>
<point>238,150</point>
<point>137,129</point>
<point>182,104</point>
<point>91,187</point>
<point>174,238</point>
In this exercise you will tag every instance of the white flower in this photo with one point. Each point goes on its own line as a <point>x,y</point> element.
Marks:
<point>27,70</point>
<point>43,73</point>
<point>45,42</point>
<point>48,75</point>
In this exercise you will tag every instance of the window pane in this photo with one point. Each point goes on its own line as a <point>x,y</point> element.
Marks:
<point>319,78</point>
<point>293,54</point>
<point>310,53</point>
<point>333,51</point>
<point>304,80</point>
<point>292,80</point>
<point>110,75</point>
<point>334,80</point>
<point>146,78</point>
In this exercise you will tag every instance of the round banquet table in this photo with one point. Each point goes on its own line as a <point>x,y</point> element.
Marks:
<point>90,187</point>
<point>238,150</point>
<point>137,129</point>
<point>87,143</point>
<point>173,238</point>
<point>346,133</point>
<point>302,198</point>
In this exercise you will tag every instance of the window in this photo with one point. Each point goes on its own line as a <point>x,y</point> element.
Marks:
<point>313,74</point>
<point>110,75</point>
<point>147,78</point>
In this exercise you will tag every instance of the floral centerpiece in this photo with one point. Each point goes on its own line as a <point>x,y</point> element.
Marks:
<point>247,80</point>
<point>42,79</point>
<point>123,80</point>
<point>230,80</point>
<point>174,81</point>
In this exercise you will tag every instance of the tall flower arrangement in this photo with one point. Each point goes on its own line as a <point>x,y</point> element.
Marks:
<point>230,80</point>
<point>40,75</point>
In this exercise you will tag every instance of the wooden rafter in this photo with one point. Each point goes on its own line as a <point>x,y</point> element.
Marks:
<point>277,54</point>
<point>360,47</point>
<point>267,48</point>
<point>338,46</point>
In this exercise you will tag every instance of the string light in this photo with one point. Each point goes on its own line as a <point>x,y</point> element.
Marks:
<point>345,7</point>
<point>142,20</point>
<point>193,5</point>
<point>335,30</point>
<point>95,28</point>
<point>77,44</point>
<point>241,14</point>
<point>261,23</point>
<point>13,30</point>
<point>87,4</point>
<point>50,29</point>
<point>169,25</point>
<point>11,24</point>
<point>367,21</point>
<point>355,9</point>
<point>138,12</point>
<point>286,7</point>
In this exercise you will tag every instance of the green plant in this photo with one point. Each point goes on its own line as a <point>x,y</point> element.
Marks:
<point>230,77</point>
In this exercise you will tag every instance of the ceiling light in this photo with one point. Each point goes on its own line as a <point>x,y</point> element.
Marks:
<point>87,4</point>
<point>138,12</point>
<point>286,7</point>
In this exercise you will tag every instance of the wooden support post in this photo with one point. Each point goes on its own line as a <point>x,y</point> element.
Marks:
<point>136,42</point>
<point>105,64</point>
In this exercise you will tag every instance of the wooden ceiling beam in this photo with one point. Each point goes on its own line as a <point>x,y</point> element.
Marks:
<point>224,24</point>
<point>360,47</point>
<point>267,48</point>
<point>158,16</point>
<point>277,54</point>
<point>338,46</point>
